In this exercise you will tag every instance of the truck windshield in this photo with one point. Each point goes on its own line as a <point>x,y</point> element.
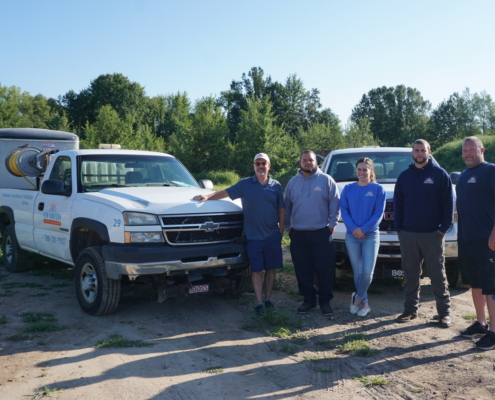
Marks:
<point>103,171</point>
<point>388,165</point>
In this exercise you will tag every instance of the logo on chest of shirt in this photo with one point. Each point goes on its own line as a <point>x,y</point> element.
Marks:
<point>429,180</point>
<point>317,189</point>
<point>369,194</point>
<point>472,179</point>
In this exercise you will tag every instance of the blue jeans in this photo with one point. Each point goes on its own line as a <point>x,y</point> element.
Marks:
<point>362,253</point>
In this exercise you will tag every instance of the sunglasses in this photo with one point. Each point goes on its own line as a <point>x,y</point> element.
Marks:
<point>260,163</point>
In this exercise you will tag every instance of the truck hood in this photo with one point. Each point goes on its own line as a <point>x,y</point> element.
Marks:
<point>161,200</point>
<point>389,188</point>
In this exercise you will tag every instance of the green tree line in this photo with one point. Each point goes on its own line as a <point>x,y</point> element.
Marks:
<point>254,114</point>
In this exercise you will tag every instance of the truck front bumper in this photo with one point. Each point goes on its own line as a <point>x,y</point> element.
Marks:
<point>138,260</point>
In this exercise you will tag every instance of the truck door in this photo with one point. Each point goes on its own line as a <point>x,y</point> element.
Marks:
<point>52,213</point>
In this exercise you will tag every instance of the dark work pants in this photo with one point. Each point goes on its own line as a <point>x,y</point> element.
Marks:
<point>313,252</point>
<point>417,247</point>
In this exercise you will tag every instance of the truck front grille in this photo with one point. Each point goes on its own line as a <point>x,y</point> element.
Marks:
<point>387,223</point>
<point>195,229</point>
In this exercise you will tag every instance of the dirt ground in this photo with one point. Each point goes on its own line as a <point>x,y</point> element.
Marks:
<point>203,333</point>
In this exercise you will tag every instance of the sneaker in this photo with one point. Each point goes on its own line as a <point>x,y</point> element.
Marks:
<point>474,330</point>
<point>326,309</point>
<point>363,312</point>
<point>305,307</point>
<point>406,316</point>
<point>445,321</point>
<point>354,309</point>
<point>259,310</point>
<point>487,342</point>
<point>269,305</point>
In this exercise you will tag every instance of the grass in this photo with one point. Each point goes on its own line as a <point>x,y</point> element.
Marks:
<point>328,357</point>
<point>59,284</point>
<point>325,343</point>
<point>45,391</point>
<point>469,317</point>
<point>19,337</point>
<point>117,341</point>
<point>3,319</point>
<point>357,344</point>
<point>43,374</point>
<point>55,269</point>
<point>369,381</point>
<point>40,323</point>
<point>324,370</point>
<point>42,342</point>
<point>299,339</point>
<point>481,357</point>
<point>274,323</point>
<point>214,370</point>
<point>12,285</point>
<point>417,390</point>
<point>288,348</point>
<point>285,240</point>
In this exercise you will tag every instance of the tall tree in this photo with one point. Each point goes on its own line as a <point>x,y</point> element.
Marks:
<point>397,115</point>
<point>205,146</point>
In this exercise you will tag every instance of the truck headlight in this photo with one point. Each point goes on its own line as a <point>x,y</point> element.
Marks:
<point>143,237</point>
<point>135,218</point>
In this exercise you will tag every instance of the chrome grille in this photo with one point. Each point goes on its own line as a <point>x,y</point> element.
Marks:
<point>196,229</point>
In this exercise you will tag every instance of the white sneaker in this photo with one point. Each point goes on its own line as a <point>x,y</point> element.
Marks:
<point>363,312</point>
<point>354,309</point>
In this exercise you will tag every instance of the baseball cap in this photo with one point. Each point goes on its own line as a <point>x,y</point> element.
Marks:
<point>262,155</point>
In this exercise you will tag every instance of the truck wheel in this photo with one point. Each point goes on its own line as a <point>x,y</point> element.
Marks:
<point>243,281</point>
<point>14,258</point>
<point>454,275</point>
<point>96,294</point>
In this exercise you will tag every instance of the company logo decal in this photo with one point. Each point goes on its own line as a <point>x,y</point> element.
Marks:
<point>472,179</point>
<point>209,226</point>
<point>428,180</point>
<point>48,145</point>
<point>52,217</point>
<point>369,194</point>
<point>317,189</point>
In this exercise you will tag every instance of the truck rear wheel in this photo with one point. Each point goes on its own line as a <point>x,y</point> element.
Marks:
<point>14,258</point>
<point>243,281</point>
<point>454,275</point>
<point>96,294</point>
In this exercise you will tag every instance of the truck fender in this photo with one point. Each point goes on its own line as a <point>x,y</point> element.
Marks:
<point>5,221</point>
<point>87,224</point>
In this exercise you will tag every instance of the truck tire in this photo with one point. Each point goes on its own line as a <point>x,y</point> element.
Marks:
<point>96,294</point>
<point>14,258</point>
<point>454,275</point>
<point>243,281</point>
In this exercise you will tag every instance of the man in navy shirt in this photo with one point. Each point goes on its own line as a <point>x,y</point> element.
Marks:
<point>476,211</point>
<point>423,213</point>
<point>264,216</point>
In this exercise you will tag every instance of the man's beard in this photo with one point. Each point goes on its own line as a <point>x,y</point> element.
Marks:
<point>425,160</point>
<point>309,170</point>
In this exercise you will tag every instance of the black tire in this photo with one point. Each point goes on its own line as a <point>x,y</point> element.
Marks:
<point>14,258</point>
<point>96,294</point>
<point>243,280</point>
<point>454,275</point>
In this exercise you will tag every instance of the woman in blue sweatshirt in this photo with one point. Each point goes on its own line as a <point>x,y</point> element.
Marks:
<point>362,205</point>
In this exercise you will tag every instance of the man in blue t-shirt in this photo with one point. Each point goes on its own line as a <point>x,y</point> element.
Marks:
<point>264,215</point>
<point>423,213</point>
<point>476,212</point>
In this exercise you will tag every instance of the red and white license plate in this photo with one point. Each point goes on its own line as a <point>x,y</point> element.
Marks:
<point>198,289</point>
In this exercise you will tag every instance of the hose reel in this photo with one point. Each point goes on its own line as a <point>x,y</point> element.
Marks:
<point>28,161</point>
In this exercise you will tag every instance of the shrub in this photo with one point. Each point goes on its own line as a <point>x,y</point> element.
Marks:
<point>224,178</point>
<point>449,155</point>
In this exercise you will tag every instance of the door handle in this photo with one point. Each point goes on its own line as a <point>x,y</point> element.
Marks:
<point>41,206</point>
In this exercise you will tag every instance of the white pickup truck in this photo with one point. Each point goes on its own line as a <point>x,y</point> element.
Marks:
<point>389,162</point>
<point>122,218</point>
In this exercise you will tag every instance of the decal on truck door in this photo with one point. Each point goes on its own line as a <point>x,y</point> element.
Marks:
<point>52,217</point>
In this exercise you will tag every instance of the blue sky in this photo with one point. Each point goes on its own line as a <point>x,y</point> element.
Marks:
<point>343,48</point>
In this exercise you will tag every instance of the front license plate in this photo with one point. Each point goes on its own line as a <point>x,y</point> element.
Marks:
<point>198,289</point>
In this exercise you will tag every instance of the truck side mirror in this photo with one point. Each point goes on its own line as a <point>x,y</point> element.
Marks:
<point>454,176</point>
<point>55,186</point>
<point>206,184</point>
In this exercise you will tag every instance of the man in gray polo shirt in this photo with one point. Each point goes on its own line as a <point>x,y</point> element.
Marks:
<point>264,216</point>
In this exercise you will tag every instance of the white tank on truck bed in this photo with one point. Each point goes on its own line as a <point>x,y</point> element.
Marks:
<point>42,139</point>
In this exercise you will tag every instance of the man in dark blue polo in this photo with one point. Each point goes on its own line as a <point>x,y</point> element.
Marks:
<point>264,216</point>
